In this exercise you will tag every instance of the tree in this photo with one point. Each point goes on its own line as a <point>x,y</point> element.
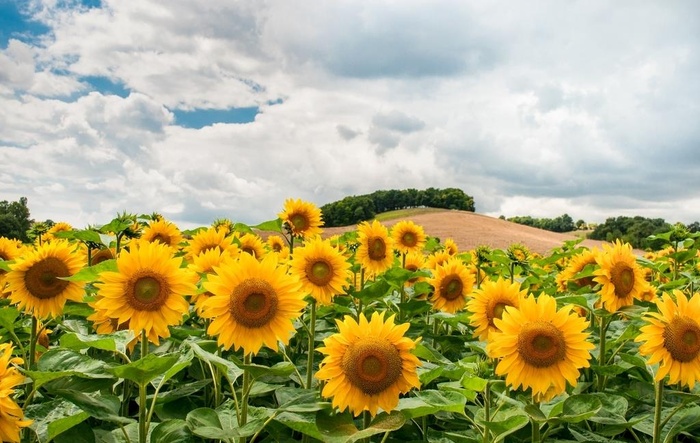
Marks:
<point>14,219</point>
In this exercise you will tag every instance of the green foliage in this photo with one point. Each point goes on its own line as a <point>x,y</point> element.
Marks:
<point>14,219</point>
<point>633,230</point>
<point>355,209</point>
<point>563,223</point>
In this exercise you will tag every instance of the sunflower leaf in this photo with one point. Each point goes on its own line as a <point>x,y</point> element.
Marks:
<point>270,225</point>
<point>172,431</point>
<point>92,273</point>
<point>146,369</point>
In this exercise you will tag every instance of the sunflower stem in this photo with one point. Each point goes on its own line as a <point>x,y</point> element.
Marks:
<point>143,409</point>
<point>601,352</point>
<point>312,345</point>
<point>247,360</point>
<point>536,438</point>
<point>32,343</point>
<point>658,401</point>
<point>487,410</point>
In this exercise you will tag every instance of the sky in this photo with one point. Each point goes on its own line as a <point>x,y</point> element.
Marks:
<point>225,109</point>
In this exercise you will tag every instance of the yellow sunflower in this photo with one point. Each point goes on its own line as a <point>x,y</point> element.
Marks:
<point>253,245</point>
<point>437,258</point>
<point>148,291</point>
<point>577,263</point>
<point>489,302</point>
<point>208,239</point>
<point>254,303</point>
<point>164,232</point>
<point>375,251</point>
<point>322,270</point>
<point>276,243</point>
<point>621,278</point>
<point>101,255</point>
<point>408,237</point>
<point>50,235</point>
<point>34,281</point>
<point>518,253</point>
<point>10,249</point>
<point>540,347</point>
<point>415,261</point>
<point>672,338</point>
<point>11,415</point>
<point>451,247</point>
<point>368,365</point>
<point>204,263</point>
<point>452,282</point>
<point>303,219</point>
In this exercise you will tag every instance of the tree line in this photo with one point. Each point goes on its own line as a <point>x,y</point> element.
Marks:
<point>563,223</point>
<point>357,208</point>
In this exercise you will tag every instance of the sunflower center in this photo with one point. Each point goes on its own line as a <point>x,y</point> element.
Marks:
<point>622,277</point>
<point>3,257</point>
<point>148,292</point>
<point>451,287</point>
<point>497,311</point>
<point>372,365</point>
<point>42,279</point>
<point>100,256</point>
<point>409,239</point>
<point>541,344</point>
<point>682,339</point>
<point>300,221</point>
<point>253,303</point>
<point>249,250</point>
<point>319,272</point>
<point>165,239</point>
<point>376,249</point>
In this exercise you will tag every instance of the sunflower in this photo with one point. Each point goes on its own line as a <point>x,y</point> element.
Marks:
<point>437,258</point>
<point>518,253</point>
<point>204,263</point>
<point>303,219</point>
<point>415,261</point>
<point>368,365</point>
<point>672,338</point>
<point>208,239</point>
<point>322,269</point>
<point>622,279</point>
<point>540,347</point>
<point>408,237</point>
<point>58,227</point>
<point>35,283</point>
<point>577,263</point>
<point>489,302</point>
<point>254,303</point>
<point>10,249</point>
<point>252,244</point>
<point>375,252</point>
<point>275,243</point>
<point>11,415</point>
<point>101,255</point>
<point>452,282</point>
<point>450,246</point>
<point>164,232</point>
<point>148,291</point>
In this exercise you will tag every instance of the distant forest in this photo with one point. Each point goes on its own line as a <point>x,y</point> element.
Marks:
<point>355,209</point>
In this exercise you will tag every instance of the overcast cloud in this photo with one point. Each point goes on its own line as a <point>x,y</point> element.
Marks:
<point>589,108</point>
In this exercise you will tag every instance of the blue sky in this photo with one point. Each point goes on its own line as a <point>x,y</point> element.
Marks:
<point>226,110</point>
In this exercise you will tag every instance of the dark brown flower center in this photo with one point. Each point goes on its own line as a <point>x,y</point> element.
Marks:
<point>497,311</point>
<point>541,344</point>
<point>372,365</point>
<point>319,272</point>
<point>412,268</point>
<point>253,303</point>
<point>100,256</point>
<point>451,287</point>
<point>622,278</point>
<point>147,292</point>
<point>162,238</point>
<point>42,279</point>
<point>409,239</point>
<point>376,248</point>
<point>300,222</point>
<point>682,339</point>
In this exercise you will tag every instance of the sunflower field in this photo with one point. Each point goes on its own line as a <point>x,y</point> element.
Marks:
<point>137,331</point>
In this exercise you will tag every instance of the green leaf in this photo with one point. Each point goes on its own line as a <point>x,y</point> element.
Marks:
<point>506,421</point>
<point>430,402</point>
<point>76,342</point>
<point>92,273</point>
<point>182,390</point>
<point>373,291</point>
<point>340,427</point>
<point>81,433</point>
<point>580,407</point>
<point>58,363</point>
<point>184,360</point>
<point>8,315</point>
<point>205,423</point>
<point>270,225</point>
<point>54,417</point>
<point>85,235</point>
<point>103,407</point>
<point>5,265</point>
<point>228,368</point>
<point>172,431</point>
<point>145,369</point>
<point>427,352</point>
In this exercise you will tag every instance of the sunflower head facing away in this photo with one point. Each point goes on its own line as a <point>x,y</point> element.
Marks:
<point>56,228</point>
<point>408,237</point>
<point>253,303</point>
<point>672,338</point>
<point>621,278</point>
<point>376,249</point>
<point>452,282</point>
<point>322,270</point>
<point>35,283</point>
<point>540,347</point>
<point>368,364</point>
<point>302,219</point>
<point>575,266</point>
<point>252,244</point>
<point>164,232</point>
<point>148,291</point>
<point>11,415</point>
<point>489,302</point>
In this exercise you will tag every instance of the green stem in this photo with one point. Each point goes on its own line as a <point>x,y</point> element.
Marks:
<point>601,352</point>
<point>32,343</point>
<point>535,432</point>
<point>487,410</point>
<point>424,426</point>
<point>312,346</point>
<point>143,409</point>
<point>659,392</point>
<point>247,360</point>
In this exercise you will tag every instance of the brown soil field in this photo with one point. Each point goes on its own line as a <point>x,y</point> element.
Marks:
<point>469,230</point>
